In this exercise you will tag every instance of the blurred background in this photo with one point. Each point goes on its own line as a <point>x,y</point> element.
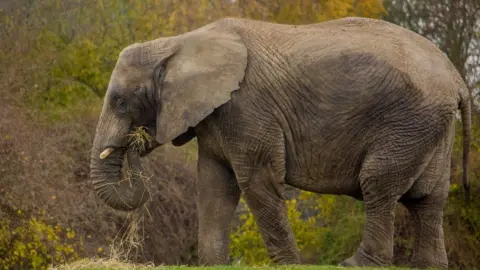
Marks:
<point>55,62</point>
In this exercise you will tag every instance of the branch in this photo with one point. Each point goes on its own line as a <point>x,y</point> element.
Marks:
<point>93,88</point>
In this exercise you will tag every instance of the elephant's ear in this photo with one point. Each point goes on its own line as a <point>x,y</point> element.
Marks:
<point>206,67</point>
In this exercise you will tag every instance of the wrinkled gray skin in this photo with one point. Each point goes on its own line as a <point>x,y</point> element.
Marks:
<point>353,106</point>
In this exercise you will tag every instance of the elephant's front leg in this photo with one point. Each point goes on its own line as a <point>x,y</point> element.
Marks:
<point>218,196</point>
<point>263,192</point>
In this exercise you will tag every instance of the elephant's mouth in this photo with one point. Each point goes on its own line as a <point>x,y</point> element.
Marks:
<point>138,140</point>
<point>147,150</point>
<point>141,139</point>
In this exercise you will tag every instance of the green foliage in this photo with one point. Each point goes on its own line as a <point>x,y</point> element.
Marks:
<point>327,229</point>
<point>32,243</point>
<point>462,222</point>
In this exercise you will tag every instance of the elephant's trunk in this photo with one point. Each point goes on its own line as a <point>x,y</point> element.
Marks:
<point>121,194</point>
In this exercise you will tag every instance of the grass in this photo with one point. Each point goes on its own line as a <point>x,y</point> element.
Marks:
<point>110,264</point>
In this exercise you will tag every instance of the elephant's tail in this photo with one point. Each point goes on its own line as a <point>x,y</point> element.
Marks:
<point>465,108</point>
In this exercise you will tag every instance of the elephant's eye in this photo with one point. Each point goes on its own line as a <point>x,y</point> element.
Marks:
<point>121,106</point>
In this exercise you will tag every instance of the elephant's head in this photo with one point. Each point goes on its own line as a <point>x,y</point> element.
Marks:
<point>166,85</point>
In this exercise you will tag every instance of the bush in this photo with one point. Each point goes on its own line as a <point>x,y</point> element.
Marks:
<point>32,243</point>
<point>462,229</point>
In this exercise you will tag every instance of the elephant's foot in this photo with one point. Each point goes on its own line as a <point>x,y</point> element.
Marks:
<point>287,257</point>
<point>361,258</point>
<point>421,264</point>
<point>429,254</point>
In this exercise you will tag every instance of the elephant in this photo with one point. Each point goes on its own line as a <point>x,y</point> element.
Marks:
<point>353,106</point>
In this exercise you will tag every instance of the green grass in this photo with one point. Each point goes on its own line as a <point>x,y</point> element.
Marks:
<point>115,265</point>
<point>229,268</point>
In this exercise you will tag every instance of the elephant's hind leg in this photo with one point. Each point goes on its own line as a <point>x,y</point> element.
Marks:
<point>264,194</point>
<point>425,202</point>
<point>427,214</point>
<point>218,196</point>
<point>376,248</point>
<point>383,179</point>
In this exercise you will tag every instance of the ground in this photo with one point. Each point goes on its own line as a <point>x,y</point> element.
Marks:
<point>115,265</point>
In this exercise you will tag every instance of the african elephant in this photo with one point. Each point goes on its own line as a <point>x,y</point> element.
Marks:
<point>353,106</point>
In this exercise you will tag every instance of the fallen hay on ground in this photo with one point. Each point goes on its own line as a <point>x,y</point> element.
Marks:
<point>101,263</point>
<point>124,247</point>
<point>129,244</point>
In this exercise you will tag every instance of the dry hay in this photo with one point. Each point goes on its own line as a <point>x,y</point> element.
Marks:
<point>139,139</point>
<point>101,263</point>
<point>128,243</point>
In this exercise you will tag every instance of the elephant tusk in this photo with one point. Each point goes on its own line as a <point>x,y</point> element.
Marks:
<point>106,153</point>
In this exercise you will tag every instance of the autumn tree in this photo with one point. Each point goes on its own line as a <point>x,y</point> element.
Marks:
<point>305,11</point>
<point>454,26</point>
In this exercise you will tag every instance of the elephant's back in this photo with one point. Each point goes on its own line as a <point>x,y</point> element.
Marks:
<point>339,47</point>
<point>324,47</point>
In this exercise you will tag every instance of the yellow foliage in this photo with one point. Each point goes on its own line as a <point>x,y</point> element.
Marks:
<point>306,11</point>
<point>31,243</point>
